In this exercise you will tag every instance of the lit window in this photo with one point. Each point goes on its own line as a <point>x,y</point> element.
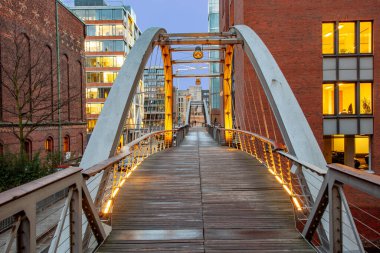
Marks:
<point>49,144</point>
<point>346,38</point>
<point>92,93</point>
<point>94,108</point>
<point>346,98</point>
<point>94,77</point>
<point>107,61</point>
<point>109,77</point>
<point>365,37</point>
<point>328,99</point>
<point>361,144</point>
<point>91,125</point>
<point>328,38</point>
<point>91,62</point>
<point>66,143</point>
<point>119,30</point>
<point>365,98</point>
<point>119,61</point>
<point>107,30</point>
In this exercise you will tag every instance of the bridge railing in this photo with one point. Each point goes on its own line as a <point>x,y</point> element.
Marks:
<point>36,230</point>
<point>327,232</point>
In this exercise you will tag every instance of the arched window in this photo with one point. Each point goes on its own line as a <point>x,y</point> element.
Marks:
<point>49,144</point>
<point>25,52</point>
<point>1,82</point>
<point>49,59</point>
<point>81,140</point>
<point>66,143</point>
<point>28,148</point>
<point>81,90</point>
<point>65,89</point>
<point>1,149</point>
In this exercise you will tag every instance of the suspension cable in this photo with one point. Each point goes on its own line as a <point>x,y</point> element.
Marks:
<point>254,101</point>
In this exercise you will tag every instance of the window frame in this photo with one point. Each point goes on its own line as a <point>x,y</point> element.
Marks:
<point>357,38</point>
<point>357,112</point>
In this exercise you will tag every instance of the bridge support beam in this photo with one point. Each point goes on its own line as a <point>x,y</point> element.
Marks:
<point>227,92</point>
<point>168,73</point>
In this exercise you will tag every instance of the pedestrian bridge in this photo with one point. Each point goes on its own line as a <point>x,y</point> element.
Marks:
<point>258,182</point>
<point>203,197</point>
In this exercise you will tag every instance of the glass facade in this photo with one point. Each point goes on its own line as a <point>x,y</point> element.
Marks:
<point>101,77</point>
<point>105,46</point>
<point>213,26</point>
<point>104,61</point>
<point>154,99</point>
<point>105,30</point>
<point>347,92</point>
<point>100,14</point>
<point>118,25</point>
<point>94,108</point>
<point>97,92</point>
<point>348,95</point>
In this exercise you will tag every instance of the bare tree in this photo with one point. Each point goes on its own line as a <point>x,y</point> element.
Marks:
<point>29,82</point>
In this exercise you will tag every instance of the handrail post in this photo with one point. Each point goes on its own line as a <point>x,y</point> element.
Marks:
<point>25,235</point>
<point>76,221</point>
<point>335,216</point>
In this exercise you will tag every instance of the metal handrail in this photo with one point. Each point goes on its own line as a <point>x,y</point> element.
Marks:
<point>28,188</point>
<point>21,202</point>
<point>97,168</point>
<point>287,169</point>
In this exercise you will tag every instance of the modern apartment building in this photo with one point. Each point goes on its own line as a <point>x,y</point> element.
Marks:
<point>111,33</point>
<point>154,98</point>
<point>213,26</point>
<point>327,52</point>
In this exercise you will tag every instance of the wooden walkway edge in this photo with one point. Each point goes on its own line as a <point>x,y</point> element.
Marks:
<point>201,197</point>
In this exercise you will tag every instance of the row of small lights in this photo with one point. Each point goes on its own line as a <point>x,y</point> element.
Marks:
<point>117,189</point>
<point>294,199</point>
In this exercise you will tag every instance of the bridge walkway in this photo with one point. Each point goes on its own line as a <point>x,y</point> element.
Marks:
<point>201,197</point>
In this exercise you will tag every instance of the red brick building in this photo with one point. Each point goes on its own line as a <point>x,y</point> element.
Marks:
<point>28,36</point>
<point>326,50</point>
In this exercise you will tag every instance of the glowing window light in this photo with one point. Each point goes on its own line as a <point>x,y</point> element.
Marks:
<point>108,206</point>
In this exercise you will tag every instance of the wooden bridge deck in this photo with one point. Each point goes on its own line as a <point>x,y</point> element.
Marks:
<point>201,197</point>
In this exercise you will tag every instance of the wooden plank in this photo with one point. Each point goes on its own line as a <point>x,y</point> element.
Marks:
<point>201,197</point>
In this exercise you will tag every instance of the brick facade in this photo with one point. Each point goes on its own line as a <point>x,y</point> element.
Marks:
<point>36,19</point>
<point>292,32</point>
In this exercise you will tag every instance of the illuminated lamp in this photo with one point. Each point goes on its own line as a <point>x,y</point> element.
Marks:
<point>198,53</point>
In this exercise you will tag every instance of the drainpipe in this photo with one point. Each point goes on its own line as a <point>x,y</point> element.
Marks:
<point>57,46</point>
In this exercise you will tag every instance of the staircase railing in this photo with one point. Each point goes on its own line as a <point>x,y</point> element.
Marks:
<point>40,231</point>
<point>325,234</point>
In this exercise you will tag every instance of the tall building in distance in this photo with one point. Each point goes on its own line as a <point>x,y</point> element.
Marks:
<point>111,33</point>
<point>154,99</point>
<point>213,26</point>
<point>183,98</point>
